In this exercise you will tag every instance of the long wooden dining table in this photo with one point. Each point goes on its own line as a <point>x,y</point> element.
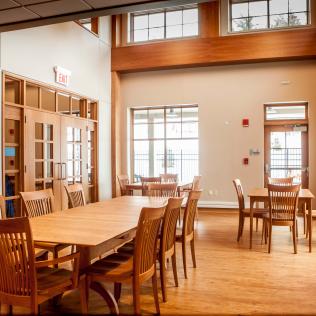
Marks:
<point>95,229</point>
<point>304,201</point>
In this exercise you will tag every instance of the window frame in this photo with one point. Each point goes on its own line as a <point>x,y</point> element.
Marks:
<point>286,121</point>
<point>165,139</point>
<point>131,30</point>
<point>268,28</point>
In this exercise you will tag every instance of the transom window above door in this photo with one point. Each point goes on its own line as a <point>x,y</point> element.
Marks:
<point>248,15</point>
<point>165,140</point>
<point>164,24</point>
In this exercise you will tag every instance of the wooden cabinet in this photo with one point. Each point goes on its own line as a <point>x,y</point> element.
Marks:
<point>50,139</point>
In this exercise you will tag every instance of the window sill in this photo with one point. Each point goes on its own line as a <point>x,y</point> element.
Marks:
<point>279,29</point>
<point>162,40</point>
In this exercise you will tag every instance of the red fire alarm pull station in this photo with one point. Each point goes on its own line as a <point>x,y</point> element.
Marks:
<point>245,122</point>
<point>246,161</point>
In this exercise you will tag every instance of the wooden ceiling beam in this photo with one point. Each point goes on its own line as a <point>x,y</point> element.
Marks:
<point>244,48</point>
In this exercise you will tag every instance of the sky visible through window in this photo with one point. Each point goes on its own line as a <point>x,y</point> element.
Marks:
<point>167,24</point>
<point>256,15</point>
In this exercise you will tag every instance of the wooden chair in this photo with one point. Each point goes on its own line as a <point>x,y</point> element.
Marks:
<point>283,202</point>
<point>123,181</point>
<point>135,267</point>
<point>38,203</point>
<point>169,177</point>
<point>75,195</point>
<point>243,212</point>
<point>162,189</point>
<point>147,180</point>
<point>187,232</point>
<point>281,181</point>
<point>167,247</point>
<point>24,281</point>
<point>3,212</point>
<point>167,243</point>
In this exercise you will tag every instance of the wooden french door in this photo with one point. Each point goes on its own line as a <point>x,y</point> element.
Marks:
<point>56,153</point>
<point>74,154</point>
<point>42,153</point>
<point>286,153</point>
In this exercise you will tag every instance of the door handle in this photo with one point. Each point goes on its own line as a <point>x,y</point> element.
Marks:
<point>63,171</point>
<point>57,167</point>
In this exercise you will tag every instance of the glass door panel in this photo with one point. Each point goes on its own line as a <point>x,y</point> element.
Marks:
<point>286,153</point>
<point>74,146</point>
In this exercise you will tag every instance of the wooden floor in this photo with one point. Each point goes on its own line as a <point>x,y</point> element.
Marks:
<point>229,279</point>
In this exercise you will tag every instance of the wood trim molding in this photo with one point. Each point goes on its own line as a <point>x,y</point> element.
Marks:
<point>232,49</point>
<point>209,19</point>
<point>115,132</point>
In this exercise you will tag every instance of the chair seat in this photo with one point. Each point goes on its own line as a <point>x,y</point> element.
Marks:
<point>53,279</point>
<point>49,245</point>
<point>179,234</point>
<point>277,217</point>
<point>118,266</point>
<point>257,212</point>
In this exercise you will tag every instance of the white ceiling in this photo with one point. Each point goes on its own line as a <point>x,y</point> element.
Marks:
<point>17,14</point>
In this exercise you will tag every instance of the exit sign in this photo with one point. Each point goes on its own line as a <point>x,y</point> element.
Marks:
<point>62,75</point>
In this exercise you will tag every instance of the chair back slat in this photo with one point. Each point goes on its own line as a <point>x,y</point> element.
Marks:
<point>38,203</point>
<point>283,201</point>
<point>281,181</point>
<point>17,273</point>
<point>3,211</point>
<point>162,189</point>
<point>169,224</point>
<point>123,180</point>
<point>190,211</point>
<point>169,177</point>
<point>240,194</point>
<point>146,239</point>
<point>146,181</point>
<point>75,195</point>
<point>196,183</point>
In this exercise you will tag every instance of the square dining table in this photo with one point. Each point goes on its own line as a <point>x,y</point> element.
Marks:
<point>304,200</point>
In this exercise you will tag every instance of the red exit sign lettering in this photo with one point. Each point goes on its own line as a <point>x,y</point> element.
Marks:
<point>62,75</point>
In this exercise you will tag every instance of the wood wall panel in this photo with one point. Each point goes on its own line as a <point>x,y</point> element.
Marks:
<point>258,47</point>
<point>115,132</point>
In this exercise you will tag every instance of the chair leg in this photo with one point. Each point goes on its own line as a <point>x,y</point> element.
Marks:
<point>239,227</point>
<point>174,268</point>
<point>136,297</point>
<point>242,226</point>
<point>84,295</point>
<point>55,256</point>
<point>117,291</point>
<point>163,278</point>
<point>257,220</point>
<point>193,252</point>
<point>155,290</point>
<point>270,237</point>
<point>35,310</point>
<point>263,231</point>
<point>294,237</point>
<point>184,258</point>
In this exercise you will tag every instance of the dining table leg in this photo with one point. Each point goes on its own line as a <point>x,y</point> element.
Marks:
<point>85,261</point>
<point>310,224</point>
<point>252,201</point>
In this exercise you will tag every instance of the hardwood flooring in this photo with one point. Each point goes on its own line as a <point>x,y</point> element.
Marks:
<point>229,279</point>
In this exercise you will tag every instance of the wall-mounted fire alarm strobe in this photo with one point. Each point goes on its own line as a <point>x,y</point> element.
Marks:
<point>245,122</point>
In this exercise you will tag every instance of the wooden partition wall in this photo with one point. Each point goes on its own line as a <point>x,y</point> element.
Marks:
<point>49,140</point>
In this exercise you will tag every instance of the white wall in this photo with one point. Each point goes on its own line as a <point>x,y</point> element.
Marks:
<point>226,95</point>
<point>34,52</point>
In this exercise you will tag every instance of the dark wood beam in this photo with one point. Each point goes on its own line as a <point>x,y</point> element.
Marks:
<point>244,48</point>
